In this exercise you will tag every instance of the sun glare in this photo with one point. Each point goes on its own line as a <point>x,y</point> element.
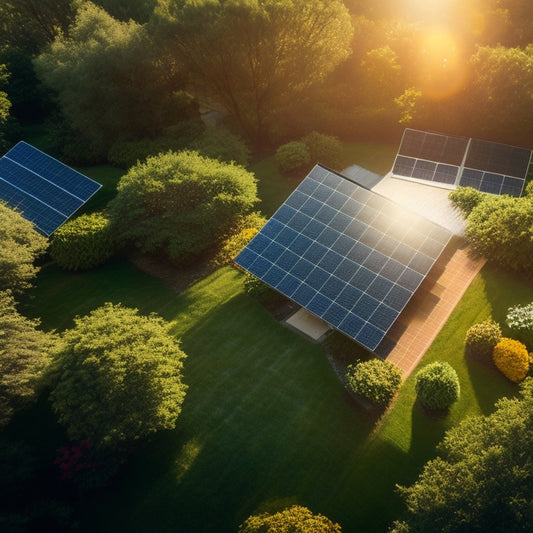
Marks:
<point>441,66</point>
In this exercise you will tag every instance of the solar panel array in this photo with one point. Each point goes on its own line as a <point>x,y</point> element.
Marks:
<point>44,190</point>
<point>486,166</point>
<point>348,255</point>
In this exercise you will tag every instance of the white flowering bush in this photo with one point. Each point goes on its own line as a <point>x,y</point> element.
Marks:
<point>520,321</point>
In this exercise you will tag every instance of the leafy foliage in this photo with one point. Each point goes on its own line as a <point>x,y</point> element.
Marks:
<point>483,481</point>
<point>465,199</point>
<point>375,380</point>
<point>512,359</point>
<point>295,519</point>
<point>180,203</point>
<point>520,321</point>
<point>220,143</point>
<point>83,243</point>
<point>437,386</point>
<point>324,149</point>
<point>481,338</point>
<point>243,232</point>
<point>293,156</point>
<point>117,377</point>
<point>23,357</point>
<point>20,245</point>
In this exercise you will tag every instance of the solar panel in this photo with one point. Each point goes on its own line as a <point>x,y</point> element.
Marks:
<point>46,191</point>
<point>348,255</point>
<point>486,166</point>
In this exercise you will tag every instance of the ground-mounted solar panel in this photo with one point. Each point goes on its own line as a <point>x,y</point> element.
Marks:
<point>348,255</point>
<point>456,161</point>
<point>43,189</point>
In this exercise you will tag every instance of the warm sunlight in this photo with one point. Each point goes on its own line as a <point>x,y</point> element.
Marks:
<point>431,10</point>
<point>441,64</point>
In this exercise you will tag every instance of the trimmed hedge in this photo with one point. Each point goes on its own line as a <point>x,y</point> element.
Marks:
<point>481,338</point>
<point>512,359</point>
<point>82,243</point>
<point>437,386</point>
<point>376,380</point>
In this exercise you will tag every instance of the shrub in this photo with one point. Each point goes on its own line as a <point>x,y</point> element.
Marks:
<point>324,149</point>
<point>437,386</point>
<point>520,320</point>
<point>465,199</point>
<point>512,359</point>
<point>125,154</point>
<point>482,337</point>
<point>244,232</point>
<point>83,243</point>
<point>221,144</point>
<point>377,381</point>
<point>293,156</point>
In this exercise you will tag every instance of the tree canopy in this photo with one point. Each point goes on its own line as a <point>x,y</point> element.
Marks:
<point>180,203</point>
<point>483,479</point>
<point>24,355</point>
<point>254,58</point>
<point>20,245</point>
<point>117,377</point>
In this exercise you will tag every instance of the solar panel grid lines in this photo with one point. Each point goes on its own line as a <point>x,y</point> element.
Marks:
<point>451,161</point>
<point>43,189</point>
<point>346,266</point>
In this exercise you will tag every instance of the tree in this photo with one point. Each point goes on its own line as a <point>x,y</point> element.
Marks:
<point>20,245</point>
<point>23,357</point>
<point>180,203</point>
<point>117,377</point>
<point>483,480</point>
<point>5,105</point>
<point>437,386</point>
<point>254,58</point>
<point>110,80</point>
<point>295,519</point>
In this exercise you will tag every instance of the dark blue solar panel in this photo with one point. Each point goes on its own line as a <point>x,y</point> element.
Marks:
<point>491,183</point>
<point>512,186</point>
<point>424,170</point>
<point>45,191</point>
<point>403,166</point>
<point>339,255</point>
<point>296,200</point>
<point>446,174</point>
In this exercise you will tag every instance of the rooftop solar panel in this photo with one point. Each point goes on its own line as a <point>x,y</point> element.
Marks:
<point>350,256</point>
<point>451,161</point>
<point>46,191</point>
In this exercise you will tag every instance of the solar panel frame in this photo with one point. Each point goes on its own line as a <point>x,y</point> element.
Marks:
<point>45,191</point>
<point>343,273</point>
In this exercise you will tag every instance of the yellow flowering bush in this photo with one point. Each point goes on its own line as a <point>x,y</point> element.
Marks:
<point>512,359</point>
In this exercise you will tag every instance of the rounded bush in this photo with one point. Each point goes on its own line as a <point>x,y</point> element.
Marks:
<point>293,156</point>
<point>512,359</point>
<point>377,381</point>
<point>221,144</point>
<point>437,386</point>
<point>465,199</point>
<point>324,149</point>
<point>520,321</point>
<point>83,243</point>
<point>482,337</point>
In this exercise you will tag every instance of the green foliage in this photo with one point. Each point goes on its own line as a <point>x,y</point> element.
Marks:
<point>219,143</point>
<point>481,338</point>
<point>324,149</point>
<point>243,232</point>
<point>375,380</point>
<point>23,357</point>
<point>437,386</point>
<point>512,359</point>
<point>293,156</point>
<point>180,203</point>
<point>295,519</point>
<point>254,286</point>
<point>82,243</point>
<point>20,245</point>
<point>465,199</point>
<point>117,377</point>
<point>520,321</point>
<point>500,227</point>
<point>483,480</point>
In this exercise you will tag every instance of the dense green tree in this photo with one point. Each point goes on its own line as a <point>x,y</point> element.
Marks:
<point>117,377</point>
<point>20,245</point>
<point>111,82</point>
<point>23,357</point>
<point>254,58</point>
<point>295,519</point>
<point>501,228</point>
<point>139,10</point>
<point>483,478</point>
<point>5,105</point>
<point>180,203</point>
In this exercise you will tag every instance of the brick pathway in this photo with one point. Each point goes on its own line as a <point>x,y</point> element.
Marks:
<point>422,319</point>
